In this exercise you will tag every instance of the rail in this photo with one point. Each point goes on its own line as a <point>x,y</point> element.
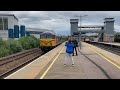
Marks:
<point>12,63</point>
<point>109,47</point>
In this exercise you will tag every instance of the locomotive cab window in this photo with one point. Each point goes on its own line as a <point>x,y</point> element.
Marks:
<point>53,36</point>
<point>47,35</point>
<point>42,36</point>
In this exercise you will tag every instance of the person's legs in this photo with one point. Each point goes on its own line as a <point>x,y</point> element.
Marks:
<point>73,51</point>
<point>72,59</point>
<point>66,57</point>
<point>76,50</point>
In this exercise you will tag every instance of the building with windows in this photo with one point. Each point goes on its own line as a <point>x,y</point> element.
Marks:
<point>7,21</point>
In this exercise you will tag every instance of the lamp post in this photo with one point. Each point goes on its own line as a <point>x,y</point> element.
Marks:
<point>80,18</point>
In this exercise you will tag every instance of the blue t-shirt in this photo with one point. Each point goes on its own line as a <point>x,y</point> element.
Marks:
<point>69,47</point>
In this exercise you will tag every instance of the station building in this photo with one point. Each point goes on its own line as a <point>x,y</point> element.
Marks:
<point>7,21</point>
<point>10,21</point>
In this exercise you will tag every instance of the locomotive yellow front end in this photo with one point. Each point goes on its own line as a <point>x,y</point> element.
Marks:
<point>47,41</point>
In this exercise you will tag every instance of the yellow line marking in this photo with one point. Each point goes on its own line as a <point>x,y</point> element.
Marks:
<point>43,75</point>
<point>105,57</point>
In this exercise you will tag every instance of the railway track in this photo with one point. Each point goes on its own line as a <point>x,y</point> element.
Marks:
<point>104,72</point>
<point>110,48</point>
<point>12,63</point>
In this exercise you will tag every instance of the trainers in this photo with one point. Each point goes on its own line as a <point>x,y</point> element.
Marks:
<point>73,65</point>
<point>65,65</point>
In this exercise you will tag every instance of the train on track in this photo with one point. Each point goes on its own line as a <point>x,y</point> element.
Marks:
<point>49,40</point>
<point>87,40</point>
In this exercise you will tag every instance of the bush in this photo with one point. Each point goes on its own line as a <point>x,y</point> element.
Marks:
<point>4,51</point>
<point>25,42</point>
<point>13,45</point>
<point>29,42</point>
<point>1,42</point>
<point>34,42</point>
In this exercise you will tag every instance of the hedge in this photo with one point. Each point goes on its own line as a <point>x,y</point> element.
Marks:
<point>4,51</point>
<point>14,46</point>
<point>11,46</point>
<point>29,42</point>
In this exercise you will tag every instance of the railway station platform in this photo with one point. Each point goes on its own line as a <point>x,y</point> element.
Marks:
<point>91,63</point>
<point>113,43</point>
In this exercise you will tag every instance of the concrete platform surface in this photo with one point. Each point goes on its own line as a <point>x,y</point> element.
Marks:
<point>84,69</point>
<point>31,70</point>
<point>51,65</point>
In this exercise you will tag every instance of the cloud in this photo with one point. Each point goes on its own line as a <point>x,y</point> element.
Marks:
<point>59,21</point>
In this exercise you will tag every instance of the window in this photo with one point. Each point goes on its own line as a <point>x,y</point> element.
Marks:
<point>53,36</point>
<point>1,24</point>
<point>47,35</point>
<point>5,27</point>
<point>1,27</point>
<point>0,21</point>
<point>42,36</point>
<point>5,21</point>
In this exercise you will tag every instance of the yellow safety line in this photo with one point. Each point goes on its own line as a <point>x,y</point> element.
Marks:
<point>105,57</point>
<point>43,75</point>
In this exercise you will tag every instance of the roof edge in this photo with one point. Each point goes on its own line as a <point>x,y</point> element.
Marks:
<point>9,15</point>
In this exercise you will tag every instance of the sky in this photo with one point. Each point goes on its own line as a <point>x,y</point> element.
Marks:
<point>59,21</point>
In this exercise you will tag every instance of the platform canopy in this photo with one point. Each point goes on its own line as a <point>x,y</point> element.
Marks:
<point>37,30</point>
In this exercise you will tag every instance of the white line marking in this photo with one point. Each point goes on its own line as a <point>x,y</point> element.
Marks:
<point>43,75</point>
<point>20,69</point>
<point>105,57</point>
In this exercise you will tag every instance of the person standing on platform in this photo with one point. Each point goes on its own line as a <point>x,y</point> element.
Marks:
<point>75,46</point>
<point>69,51</point>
